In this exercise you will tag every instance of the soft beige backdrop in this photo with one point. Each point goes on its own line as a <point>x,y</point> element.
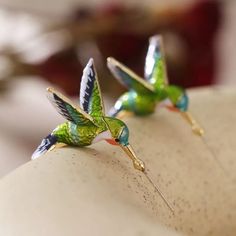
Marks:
<point>96,191</point>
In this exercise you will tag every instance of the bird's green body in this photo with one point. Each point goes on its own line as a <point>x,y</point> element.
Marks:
<point>140,104</point>
<point>76,135</point>
<point>84,135</point>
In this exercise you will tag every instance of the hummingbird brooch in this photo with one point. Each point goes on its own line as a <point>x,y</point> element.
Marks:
<point>145,94</point>
<point>88,124</point>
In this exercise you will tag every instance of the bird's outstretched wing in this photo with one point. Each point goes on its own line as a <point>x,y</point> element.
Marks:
<point>46,144</point>
<point>155,66</point>
<point>90,94</point>
<point>127,77</point>
<point>67,109</point>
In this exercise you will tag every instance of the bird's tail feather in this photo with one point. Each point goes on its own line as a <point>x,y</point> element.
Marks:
<point>45,145</point>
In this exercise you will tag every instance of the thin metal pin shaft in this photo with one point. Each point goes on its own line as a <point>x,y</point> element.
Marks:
<point>214,156</point>
<point>195,126</point>
<point>159,191</point>
<point>199,131</point>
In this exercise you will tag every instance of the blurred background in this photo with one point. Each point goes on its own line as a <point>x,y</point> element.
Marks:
<point>47,43</point>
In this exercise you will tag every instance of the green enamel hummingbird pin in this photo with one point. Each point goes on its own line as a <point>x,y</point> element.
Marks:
<point>144,94</point>
<point>88,124</point>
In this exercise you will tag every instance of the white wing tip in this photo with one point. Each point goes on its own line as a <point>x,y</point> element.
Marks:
<point>156,38</point>
<point>49,89</point>
<point>90,62</point>
<point>87,67</point>
<point>111,60</point>
<point>36,154</point>
<point>112,63</point>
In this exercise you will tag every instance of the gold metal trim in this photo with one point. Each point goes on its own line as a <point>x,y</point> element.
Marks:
<point>196,128</point>
<point>139,165</point>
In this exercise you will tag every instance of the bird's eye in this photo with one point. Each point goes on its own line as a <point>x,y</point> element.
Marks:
<point>117,140</point>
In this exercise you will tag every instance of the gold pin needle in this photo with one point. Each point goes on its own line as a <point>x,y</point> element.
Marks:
<point>139,165</point>
<point>195,126</point>
<point>199,131</point>
<point>159,191</point>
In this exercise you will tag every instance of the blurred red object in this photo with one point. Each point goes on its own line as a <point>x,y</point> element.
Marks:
<point>123,33</point>
<point>62,69</point>
<point>193,31</point>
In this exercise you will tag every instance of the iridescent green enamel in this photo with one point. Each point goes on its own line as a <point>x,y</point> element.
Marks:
<point>144,94</point>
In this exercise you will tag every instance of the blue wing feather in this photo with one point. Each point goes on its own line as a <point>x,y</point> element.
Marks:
<point>90,94</point>
<point>155,65</point>
<point>67,109</point>
<point>45,145</point>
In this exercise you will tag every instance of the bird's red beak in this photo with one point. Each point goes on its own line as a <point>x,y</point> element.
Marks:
<point>111,141</point>
<point>172,108</point>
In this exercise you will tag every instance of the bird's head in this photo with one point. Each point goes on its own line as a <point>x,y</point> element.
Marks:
<point>182,103</point>
<point>119,131</point>
<point>120,136</point>
<point>178,99</point>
